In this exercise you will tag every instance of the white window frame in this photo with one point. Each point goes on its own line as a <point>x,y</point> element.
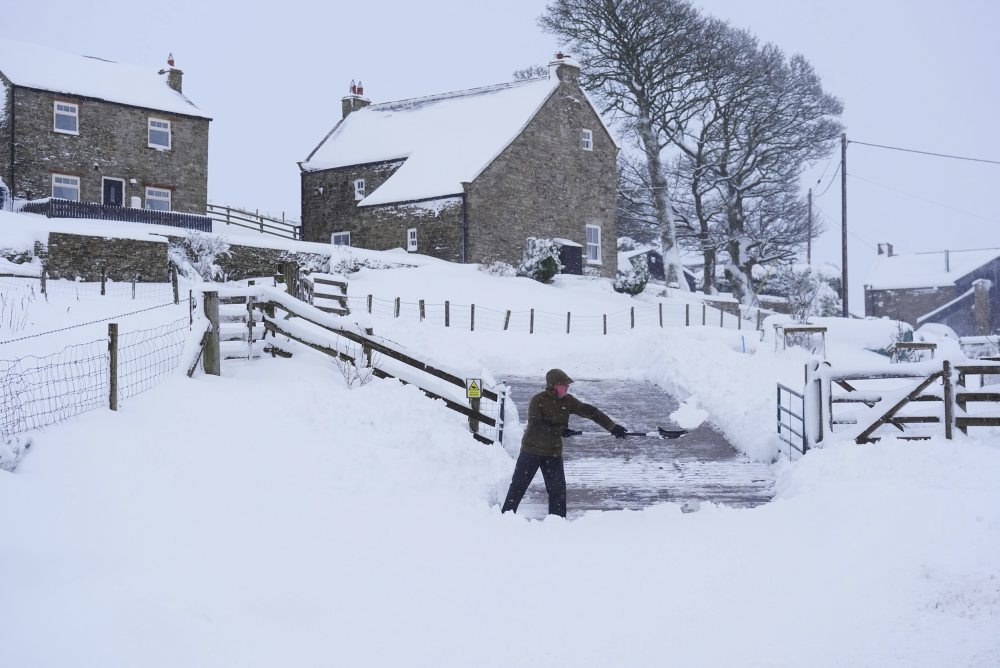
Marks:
<point>68,177</point>
<point>359,189</point>
<point>587,140</point>
<point>594,249</point>
<point>72,111</point>
<point>345,238</point>
<point>411,240</point>
<point>149,133</point>
<point>156,195</point>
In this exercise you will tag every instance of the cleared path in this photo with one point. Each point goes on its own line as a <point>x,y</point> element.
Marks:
<point>605,473</point>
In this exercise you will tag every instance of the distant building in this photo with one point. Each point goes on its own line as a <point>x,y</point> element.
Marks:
<point>960,289</point>
<point>468,176</point>
<point>85,129</point>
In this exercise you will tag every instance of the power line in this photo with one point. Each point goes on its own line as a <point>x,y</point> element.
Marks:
<point>832,179</point>
<point>912,150</point>
<point>924,199</point>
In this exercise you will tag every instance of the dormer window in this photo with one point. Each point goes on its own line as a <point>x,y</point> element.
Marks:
<point>66,118</point>
<point>587,140</point>
<point>159,134</point>
<point>359,190</point>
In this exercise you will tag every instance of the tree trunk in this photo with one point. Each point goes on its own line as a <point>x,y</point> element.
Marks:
<point>672,267</point>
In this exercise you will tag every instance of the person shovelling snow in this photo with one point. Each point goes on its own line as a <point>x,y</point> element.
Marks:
<point>541,446</point>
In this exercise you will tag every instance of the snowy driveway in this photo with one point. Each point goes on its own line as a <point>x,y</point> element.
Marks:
<point>603,473</point>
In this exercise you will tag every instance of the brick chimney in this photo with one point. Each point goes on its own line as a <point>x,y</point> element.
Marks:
<point>885,249</point>
<point>355,100</point>
<point>174,75</point>
<point>567,69</point>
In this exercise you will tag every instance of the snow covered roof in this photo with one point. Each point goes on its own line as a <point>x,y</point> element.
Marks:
<point>34,66</point>
<point>926,270</point>
<point>446,139</point>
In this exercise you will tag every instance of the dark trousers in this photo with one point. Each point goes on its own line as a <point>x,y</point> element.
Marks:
<point>555,482</point>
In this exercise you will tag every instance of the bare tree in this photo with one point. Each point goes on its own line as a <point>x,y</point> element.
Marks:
<point>531,72</point>
<point>641,58</point>
<point>767,119</point>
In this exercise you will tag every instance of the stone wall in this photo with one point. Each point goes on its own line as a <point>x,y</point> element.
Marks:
<point>112,142</point>
<point>545,185</point>
<point>75,256</point>
<point>248,261</point>
<point>328,202</point>
<point>5,129</point>
<point>906,304</point>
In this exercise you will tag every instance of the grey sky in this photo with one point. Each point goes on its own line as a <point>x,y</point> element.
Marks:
<point>914,74</point>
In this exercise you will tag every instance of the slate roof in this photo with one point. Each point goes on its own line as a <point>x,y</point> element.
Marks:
<point>926,270</point>
<point>445,139</point>
<point>43,68</point>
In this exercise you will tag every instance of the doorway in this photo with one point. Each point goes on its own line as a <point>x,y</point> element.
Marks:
<point>113,191</point>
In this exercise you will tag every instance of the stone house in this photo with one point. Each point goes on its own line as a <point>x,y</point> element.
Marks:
<point>960,289</point>
<point>86,129</point>
<point>468,176</point>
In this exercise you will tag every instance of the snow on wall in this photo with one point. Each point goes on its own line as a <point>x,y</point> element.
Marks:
<point>926,270</point>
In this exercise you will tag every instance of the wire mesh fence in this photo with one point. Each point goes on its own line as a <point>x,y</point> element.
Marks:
<point>78,290</point>
<point>38,391</point>
<point>471,317</point>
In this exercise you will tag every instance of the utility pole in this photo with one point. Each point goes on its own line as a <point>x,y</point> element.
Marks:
<point>809,236</point>
<point>843,219</point>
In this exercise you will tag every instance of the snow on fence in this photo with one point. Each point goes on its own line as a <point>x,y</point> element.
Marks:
<point>471,317</point>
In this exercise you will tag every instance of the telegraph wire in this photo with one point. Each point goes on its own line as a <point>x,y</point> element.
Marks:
<point>924,199</point>
<point>913,150</point>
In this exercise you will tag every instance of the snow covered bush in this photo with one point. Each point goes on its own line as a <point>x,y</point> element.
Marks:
<point>500,269</point>
<point>633,282</point>
<point>197,253</point>
<point>809,291</point>
<point>540,260</point>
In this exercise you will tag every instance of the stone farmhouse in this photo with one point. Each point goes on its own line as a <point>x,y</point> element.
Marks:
<point>960,289</point>
<point>85,129</point>
<point>468,176</point>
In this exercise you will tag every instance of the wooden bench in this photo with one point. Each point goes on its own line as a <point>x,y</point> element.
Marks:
<point>783,331</point>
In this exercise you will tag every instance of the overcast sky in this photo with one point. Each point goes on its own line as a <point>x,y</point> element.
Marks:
<point>912,73</point>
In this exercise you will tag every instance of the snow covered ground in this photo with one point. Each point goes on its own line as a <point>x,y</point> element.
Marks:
<point>274,516</point>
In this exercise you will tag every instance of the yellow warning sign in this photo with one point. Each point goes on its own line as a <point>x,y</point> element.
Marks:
<point>472,388</point>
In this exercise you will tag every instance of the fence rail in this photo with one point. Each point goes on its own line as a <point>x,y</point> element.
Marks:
<point>255,220</point>
<point>532,321</point>
<point>63,208</point>
<point>792,409</point>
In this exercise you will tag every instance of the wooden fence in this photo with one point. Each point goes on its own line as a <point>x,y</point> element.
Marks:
<point>255,220</point>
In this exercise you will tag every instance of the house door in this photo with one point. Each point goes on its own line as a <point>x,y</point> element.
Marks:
<point>114,192</point>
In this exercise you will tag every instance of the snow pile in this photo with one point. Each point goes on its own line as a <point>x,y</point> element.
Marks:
<point>286,520</point>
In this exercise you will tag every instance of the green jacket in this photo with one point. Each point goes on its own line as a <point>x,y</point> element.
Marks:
<point>548,415</point>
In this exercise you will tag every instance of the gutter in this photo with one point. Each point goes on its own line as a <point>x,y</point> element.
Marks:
<point>465,227</point>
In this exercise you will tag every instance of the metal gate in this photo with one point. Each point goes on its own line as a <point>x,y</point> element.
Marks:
<point>792,418</point>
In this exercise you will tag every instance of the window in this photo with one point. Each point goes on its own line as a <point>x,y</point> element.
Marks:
<point>158,199</point>
<point>411,239</point>
<point>587,140</point>
<point>159,133</point>
<point>66,187</point>
<point>593,244</point>
<point>66,118</point>
<point>359,190</point>
<point>341,239</point>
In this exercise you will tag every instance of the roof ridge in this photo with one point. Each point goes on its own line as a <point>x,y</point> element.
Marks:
<point>457,93</point>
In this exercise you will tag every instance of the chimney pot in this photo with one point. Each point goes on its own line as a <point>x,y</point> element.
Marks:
<point>170,60</point>
<point>361,88</point>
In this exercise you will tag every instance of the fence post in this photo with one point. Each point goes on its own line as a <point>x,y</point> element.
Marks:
<point>396,308</point>
<point>506,320</point>
<point>212,357</point>
<point>472,317</point>
<point>190,307</point>
<point>369,303</point>
<point>605,324</point>
<point>104,281</point>
<point>949,406</point>
<point>42,279</point>
<point>759,320</point>
<point>174,283</point>
<point>447,313</point>
<point>113,365</point>
<point>474,421</point>
<point>722,317</point>
<point>568,314</point>
<point>423,313</point>
<point>704,314</point>
<point>687,315</point>
<point>661,315</point>
<point>631,317</point>
<point>134,276</point>
<point>739,319</point>
<point>367,349</point>
<point>291,279</point>
<point>531,322</point>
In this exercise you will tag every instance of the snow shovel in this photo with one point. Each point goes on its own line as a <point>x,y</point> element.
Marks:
<point>659,433</point>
